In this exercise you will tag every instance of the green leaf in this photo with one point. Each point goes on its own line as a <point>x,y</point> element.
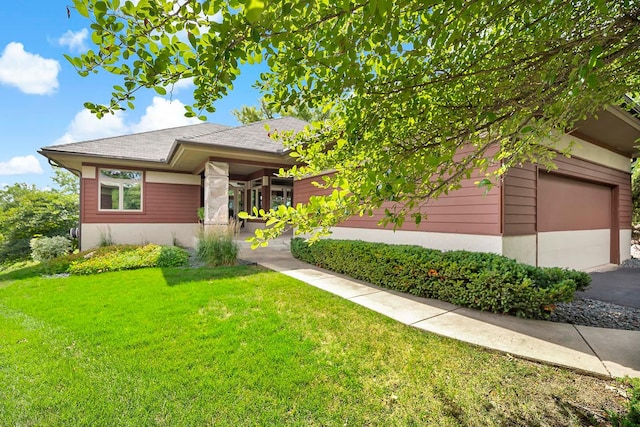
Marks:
<point>101,7</point>
<point>160,90</point>
<point>253,11</point>
<point>81,7</point>
<point>484,183</point>
<point>593,56</point>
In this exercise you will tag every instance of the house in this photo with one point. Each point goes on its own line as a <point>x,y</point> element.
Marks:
<point>577,216</point>
<point>147,187</point>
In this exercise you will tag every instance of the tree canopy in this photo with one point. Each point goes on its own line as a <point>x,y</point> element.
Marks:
<point>249,114</point>
<point>409,83</point>
<point>27,211</point>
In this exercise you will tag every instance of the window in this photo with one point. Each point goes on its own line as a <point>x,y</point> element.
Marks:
<point>120,190</point>
<point>281,196</point>
<point>281,192</point>
<point>256,194</point>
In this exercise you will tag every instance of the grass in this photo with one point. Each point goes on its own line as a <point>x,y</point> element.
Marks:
<point>244,346</point>
<point>217,246</point>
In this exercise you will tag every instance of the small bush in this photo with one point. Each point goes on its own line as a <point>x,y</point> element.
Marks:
<point>46,248</point>
<point>61,264</point>
<point>172,256</point>
<point>472,279</point>
<point>632,417</point>
<point>128,257</point>
<point>217,246</point>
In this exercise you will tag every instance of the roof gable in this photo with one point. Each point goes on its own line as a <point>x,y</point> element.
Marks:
<point>159,145</point>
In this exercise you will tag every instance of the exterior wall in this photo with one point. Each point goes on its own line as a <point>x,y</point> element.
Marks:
<point>467,210</point>
<point>519,199</point>
<point>521,213</point>
<point>170,202</point>
<point>441,241</point>
<point>162,203</point>
<point>587,170</point>
<point>593,153</point>
<point>172,178</point>
<point>581,211</point>
<point>625,247</point>
<point>163,234</point>
<point>581,249</point>
<point>521,248</point>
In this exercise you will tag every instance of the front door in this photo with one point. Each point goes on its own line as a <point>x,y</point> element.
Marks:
<point>236,198</point>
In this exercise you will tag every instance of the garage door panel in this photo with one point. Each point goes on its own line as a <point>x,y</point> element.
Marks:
<point>574,222</point>
<point>568,204</point>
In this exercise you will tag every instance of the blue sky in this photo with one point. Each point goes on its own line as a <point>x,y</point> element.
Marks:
<point>41,95</point>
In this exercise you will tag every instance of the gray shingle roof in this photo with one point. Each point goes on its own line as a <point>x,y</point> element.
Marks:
<point>252,136</point>
<point>157,146</point>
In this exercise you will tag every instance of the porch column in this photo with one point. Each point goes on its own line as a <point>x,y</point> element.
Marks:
<point>216,194</point>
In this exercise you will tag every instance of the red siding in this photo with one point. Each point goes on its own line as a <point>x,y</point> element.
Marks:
<point>519,197</point>
<point>467,210</point>
<point>162,203</point>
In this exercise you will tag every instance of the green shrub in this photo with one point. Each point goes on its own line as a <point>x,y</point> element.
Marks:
<point>172,256</point>
<point>632,417</point>
<point>472,279</point>
<point>61,264</point>
<point>46,248</point>
<point>128,257</point>
<point>217,246</point>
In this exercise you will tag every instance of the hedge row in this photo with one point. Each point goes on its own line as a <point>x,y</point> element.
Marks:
<point>471,279</point>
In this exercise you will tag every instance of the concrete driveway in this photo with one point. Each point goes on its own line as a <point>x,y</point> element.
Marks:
<point>620,286</point>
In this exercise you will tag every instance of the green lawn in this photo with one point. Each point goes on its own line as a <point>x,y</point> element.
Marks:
<point>244,346</point>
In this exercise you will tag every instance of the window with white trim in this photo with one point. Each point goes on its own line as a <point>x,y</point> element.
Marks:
<point>120,190</point>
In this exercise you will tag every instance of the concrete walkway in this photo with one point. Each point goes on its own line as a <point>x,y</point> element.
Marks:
<point>603,352</point>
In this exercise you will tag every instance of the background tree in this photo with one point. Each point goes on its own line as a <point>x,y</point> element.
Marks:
<point>410,83</point>
<point>26,211</point>
<point>66,182</point>
<point>250,114</point>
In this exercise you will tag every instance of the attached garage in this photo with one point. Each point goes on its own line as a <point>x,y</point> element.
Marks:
<point>575,226</point>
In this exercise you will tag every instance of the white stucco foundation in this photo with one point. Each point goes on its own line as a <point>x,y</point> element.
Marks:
<point>441,241</point>
<point>520,248</point>
<point>162,234</point>
<point>625,244</point>
<point>580,249</point>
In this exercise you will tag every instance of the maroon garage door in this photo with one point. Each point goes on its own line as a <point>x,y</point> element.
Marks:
<point>574,222</point>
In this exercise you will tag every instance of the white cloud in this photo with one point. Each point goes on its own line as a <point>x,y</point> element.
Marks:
<point>29,72</point>
<point>163,114</point>
<point>160,114</point>
<point>85,126</point>
<point>74,41</point>
<point>180,85</point>
<point>21,165</point>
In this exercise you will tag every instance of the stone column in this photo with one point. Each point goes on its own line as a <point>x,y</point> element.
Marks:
<point>216,194</point>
